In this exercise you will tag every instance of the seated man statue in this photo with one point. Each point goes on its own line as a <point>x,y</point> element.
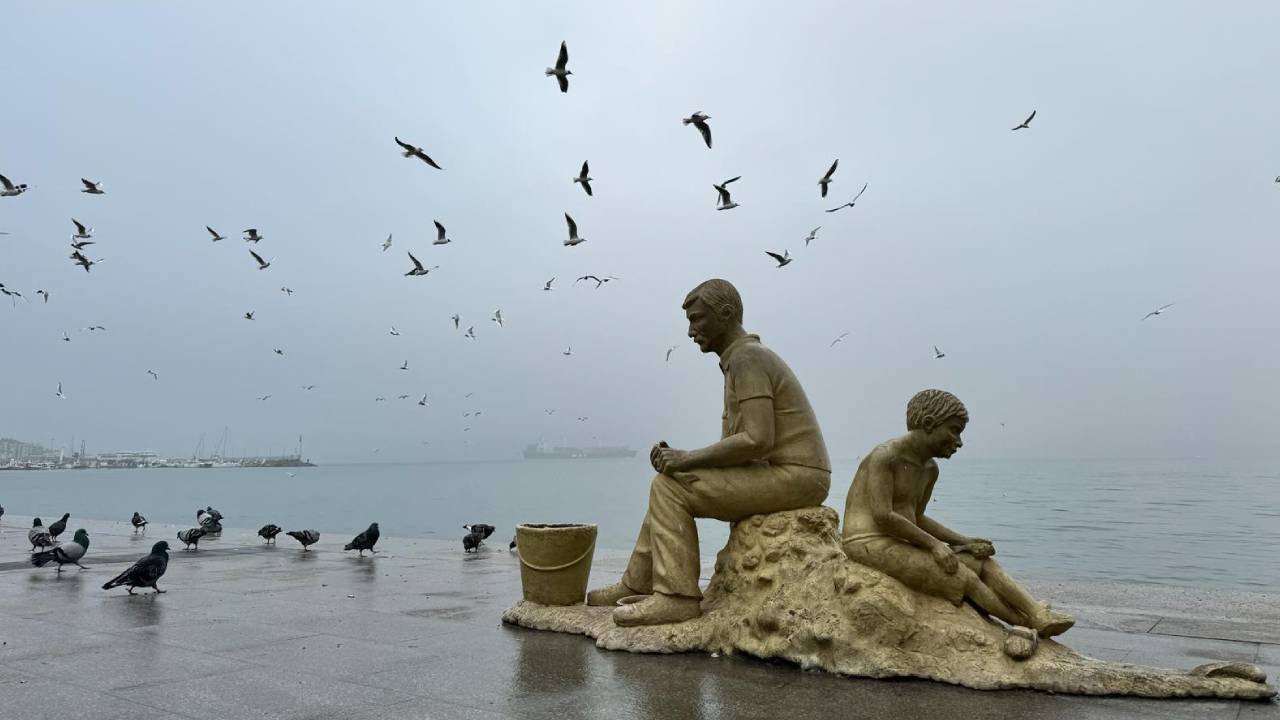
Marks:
<point>885,526</point>
<point>771,457</point>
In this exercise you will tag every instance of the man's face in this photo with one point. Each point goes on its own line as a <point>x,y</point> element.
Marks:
<point>705,326</point>
<point>945,437</point>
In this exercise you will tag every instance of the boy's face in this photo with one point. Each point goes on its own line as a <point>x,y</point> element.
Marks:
<point>945,437</point>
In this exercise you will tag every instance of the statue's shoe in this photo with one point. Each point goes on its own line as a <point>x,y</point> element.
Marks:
<point>1049,622</point>
<point>609,595</point>
<point>658,609</point>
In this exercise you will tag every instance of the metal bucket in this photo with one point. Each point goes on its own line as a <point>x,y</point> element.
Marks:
<point>555,561</point>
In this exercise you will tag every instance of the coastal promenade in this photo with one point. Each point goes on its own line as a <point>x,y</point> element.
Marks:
<point>251,631</point>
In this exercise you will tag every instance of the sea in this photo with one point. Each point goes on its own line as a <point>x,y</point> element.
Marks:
<point>1190,522</point>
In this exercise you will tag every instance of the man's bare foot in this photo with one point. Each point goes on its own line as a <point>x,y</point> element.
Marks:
<point>658,609</point>
<point>609,595</point>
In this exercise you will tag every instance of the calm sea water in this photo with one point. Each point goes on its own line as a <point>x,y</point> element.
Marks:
<point>1185,522</point>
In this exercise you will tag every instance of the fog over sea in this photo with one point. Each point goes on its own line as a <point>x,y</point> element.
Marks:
<point>1189,522</point>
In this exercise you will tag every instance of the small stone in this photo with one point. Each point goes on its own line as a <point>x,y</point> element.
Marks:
<point>1021,643</point>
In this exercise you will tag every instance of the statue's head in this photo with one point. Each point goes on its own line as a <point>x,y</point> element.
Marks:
<point>714,309</point>
<point>939,418</point>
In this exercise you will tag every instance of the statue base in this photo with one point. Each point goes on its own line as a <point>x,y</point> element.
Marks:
<point>784,589</point>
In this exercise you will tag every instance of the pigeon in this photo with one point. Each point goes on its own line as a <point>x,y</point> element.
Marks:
<point>82,233</point>
<point>144,573</point>
<point>484,530</point>
<point>413,151</point>
<point>783,260</point>
<point>440,235</point>
<point>66,553</point>
<point>8,189</point>
<point>214,234</point>
<point>386,243</point>
<point>1,511</point>
<point>938,354</point>
<point>561,71</point>
<point>699,120</point>
<point>251,235</point>
<point>813,235</point>
<point>139,522</point>
<point>584,178</point>
<point>418,269</point>
<point>497,316</point>
<point>93,188</point>
<point>852,202</point>
<point>365,540</point>
<point>573,232</point>
<point>191,536</point>
<point>269,532</point>
<point>512,546</point>
<point>57,527</point>
<point>153,374</point>
<point>826,179</point>
<point>217,516</point>
<point>38,535</point>
<point>262,264</point>
<point>306,537</point>
<point>1026,124</point>
<point>1158,311</point>
<point>839,339</point>
<point>471,542</point>
<point>547,286</point>
<point>725,202</point>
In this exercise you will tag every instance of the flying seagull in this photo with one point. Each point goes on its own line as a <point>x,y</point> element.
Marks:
<point>144,573</point>
<point>423,402</point>
<point>561,71</point>
<point>68,553</point>
<point>938,354</point>
<point>567,351</point>
<point>839,339</point>
<point>440,235</point>
<point>547,287</point>
<point>286,291</point>
<point>386,243</point>
<point>584,178</point>
<point>262,264</point>
<point>251,235</point>
<point>813,235</point>
<point>81,232</point>
<point>44,293</point>
<point>456,319</point>
<point>93,188</point>
<point>405,366</point>
<point>599,281</point>
<point>379,399</point>
<point>852,202</point>
<point>59,393</point>
<point>826,179</point>
<point>783,260</point>
<point>669,351</point>
<point>471,332</point>
<point>308,387</point>
<point>83,261</point>
<point>264,398</point>
<point>214,233</point>
<point>82,244</point>
<point>394,332</point>
<point>724,202</point>
<point>365,540</point>
<point>153,374</point>
<point>1026,124</point>
<point>1157,311</point>
<point>413,151</point>
<point>497,316</point>
<point>573,232</point>
<point>248,315</point>
<point>8,189</point>
<point>65,336</point>
<point>699,120</point>
<point>418,269</point>
<point>306,537</point>
<point>278,351</point>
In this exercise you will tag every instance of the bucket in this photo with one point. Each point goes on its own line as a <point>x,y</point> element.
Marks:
<point>555,561</point>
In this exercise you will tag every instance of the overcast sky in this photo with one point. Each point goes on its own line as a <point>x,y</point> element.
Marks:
<point>1146,178</point>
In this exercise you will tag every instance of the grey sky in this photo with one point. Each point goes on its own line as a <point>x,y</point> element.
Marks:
<point>1029,257</point>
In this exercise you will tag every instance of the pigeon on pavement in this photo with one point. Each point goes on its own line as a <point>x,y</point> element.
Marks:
<point>146,572</point>
<point>306,537</point>
<point>365,540</point>
<point>66,553</point>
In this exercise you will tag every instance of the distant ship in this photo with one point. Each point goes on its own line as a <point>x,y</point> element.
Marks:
<point>542,451</point>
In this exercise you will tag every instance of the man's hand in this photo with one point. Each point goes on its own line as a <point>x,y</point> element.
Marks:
<point>945,557</point>
<point>670,461</point>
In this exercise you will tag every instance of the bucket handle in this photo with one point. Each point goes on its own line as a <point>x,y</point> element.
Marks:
<point>553,568</point>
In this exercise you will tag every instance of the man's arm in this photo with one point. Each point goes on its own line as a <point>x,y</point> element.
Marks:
<point>753,442</point>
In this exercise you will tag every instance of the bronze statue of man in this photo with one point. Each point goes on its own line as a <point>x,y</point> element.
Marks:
<point>770,457</point>
<point>885,526</point>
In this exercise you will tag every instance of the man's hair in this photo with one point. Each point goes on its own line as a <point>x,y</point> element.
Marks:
<point>716,293</point>
<point>937,404</point>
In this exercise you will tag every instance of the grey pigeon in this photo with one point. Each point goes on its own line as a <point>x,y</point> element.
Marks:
<point>269,532</point>
<point>484,530</point>
<point>471,542</point>
<point>306,537</point>
<point>38,535</point>
<point>146,572</point>
<point>139,522</point>
<point>512,546</point>
<point>365,540</point>
<point>191,536</point>
<point>66,553</point>
<point>57,527</point>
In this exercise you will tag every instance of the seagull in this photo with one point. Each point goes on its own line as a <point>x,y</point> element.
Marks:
<point>1026,124</point>
<point>92,328</point>
<point>471,332</point>
<point>414,151</point>
<point>826,179</point>
<point>93,188</point>
<point>669,351</point>
<point>813,235</point>
<point>584,178</point>
<point>308,387</point>
<point>65,554</point>
<point>59,393</point>
<point>456,319</point>
<point>44,293</point>
<point>423,402</point>
<point>405,366</point>
<point>306,537</point>
<point>394,332</point>
<point>938,354</point>
<point>264,398</point>
<point>783,259</point>
<point>379,399</point>
<point>852,202</point>
<point>251,235</point>
<point>153,374</point>
<point>839,339</point>
<point>81,232</point>
<point>286,291</point>
<point>278,351</point>
<point>1157,311</point>
<point>573,232</point>
<point>547,287</point>
<point>497,316</point>
<point>144,573</point>
<point>418,269</point>
<point>65,336</point>
<point>386,243</point>
<point>402,397</point>
<point>8,189</point>
<point>248,315</point>
<point>440,238</point>
<point>560,71</point>
<point>583,418</point>
<point>567,351</point>
<point>599,281</point>
<point>262,264</point>
<point>724,202</point>
<point>699,120</point>
<point>83,261</point>
<point>82,244</point>
<point>365,540</point>
<point>214,233</point>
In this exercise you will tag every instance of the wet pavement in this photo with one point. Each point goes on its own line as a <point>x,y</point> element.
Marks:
<point>251,631</point>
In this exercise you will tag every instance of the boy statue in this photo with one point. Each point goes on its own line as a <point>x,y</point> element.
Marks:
<point>885,526</point>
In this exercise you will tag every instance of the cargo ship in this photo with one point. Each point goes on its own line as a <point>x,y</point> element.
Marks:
<point>542,451</point>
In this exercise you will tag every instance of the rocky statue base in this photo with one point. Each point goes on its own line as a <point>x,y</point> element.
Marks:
<point>784,589</point>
